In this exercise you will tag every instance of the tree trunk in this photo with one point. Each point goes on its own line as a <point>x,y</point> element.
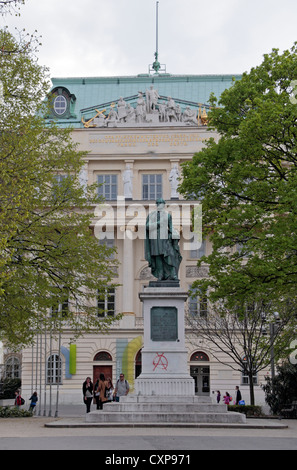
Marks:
<point>252,390</point>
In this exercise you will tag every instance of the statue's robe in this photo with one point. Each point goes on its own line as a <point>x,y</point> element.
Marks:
<point>161,246</point>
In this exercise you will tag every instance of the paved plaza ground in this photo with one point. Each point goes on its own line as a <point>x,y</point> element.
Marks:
<point>34,434</point>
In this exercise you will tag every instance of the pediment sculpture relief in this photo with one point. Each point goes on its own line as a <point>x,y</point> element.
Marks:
<point>147,109</point>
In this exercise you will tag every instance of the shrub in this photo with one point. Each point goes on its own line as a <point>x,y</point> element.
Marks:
<point>248,410</point>
<point>282,390</point>
<point>9,387</point>
<point>13,412</point>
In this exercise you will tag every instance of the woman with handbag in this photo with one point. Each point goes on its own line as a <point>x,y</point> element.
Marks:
<point>88,393</point>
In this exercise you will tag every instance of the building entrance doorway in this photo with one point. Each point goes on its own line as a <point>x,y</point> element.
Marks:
<point>201,376</point>
<point>200,373</point>
<point>97,370</point>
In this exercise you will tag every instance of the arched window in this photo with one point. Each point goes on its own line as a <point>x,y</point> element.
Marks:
<point>60,105</point>
<point>103,356</point>
<point>138,363</point>
<point>12,368</point>
<point>54,370</point>
<point>199,356</point>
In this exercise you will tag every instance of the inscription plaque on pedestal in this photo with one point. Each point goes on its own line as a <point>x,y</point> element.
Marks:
<point>164,324</point>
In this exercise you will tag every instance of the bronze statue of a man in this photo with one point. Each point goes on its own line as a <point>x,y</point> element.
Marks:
<point>161,244</point>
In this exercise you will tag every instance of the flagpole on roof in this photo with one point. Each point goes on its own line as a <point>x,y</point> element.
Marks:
<point>157,26</point>
<point>156,65</point>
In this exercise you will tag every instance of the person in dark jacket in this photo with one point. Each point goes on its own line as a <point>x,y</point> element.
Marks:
<point>238,395</point>
<point>88,393</point>
<point>34,400</point>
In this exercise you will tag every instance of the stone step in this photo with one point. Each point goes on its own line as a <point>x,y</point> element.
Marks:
<point>142,417</point>
<point>165,399</point>
<point>164,407</point>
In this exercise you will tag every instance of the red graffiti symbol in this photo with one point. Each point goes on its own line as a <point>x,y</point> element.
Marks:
<point>160,361</point>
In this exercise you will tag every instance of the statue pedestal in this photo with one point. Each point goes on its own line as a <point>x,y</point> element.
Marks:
<point>164,391</point>
<point>164,357</point>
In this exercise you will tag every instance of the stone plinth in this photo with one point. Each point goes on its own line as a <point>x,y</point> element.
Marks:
<point>164,356</point>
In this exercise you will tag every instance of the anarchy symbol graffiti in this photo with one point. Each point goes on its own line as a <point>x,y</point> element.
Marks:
<point>160,361</point>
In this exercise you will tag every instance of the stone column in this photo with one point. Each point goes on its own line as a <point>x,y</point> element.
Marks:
<point>128,281</point>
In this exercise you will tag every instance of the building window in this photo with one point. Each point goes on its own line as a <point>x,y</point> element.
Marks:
<point>60,105</point>
<point>245,380</point>
<point>59,179</point>
<point>199,356</point>
<point>198,305</point>
<point>61,186</point>
<point>138,363</point>
<point>61,305</point>
<point>106,303</point>
<point>12,368</point>
<point>108,186</point>
<point>54,370</point>
<point>108,241</point>
<point>199,252</point>
<point>152,187</point>
<point>103,356</point>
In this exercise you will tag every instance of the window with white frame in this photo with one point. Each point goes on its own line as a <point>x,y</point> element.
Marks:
<point>245,379</point>
<point>61,303</point>
<point>106,303</point>
<point>12,368</point>
<point>58,185</point>
<point>152,186</point>
<point>54,370</point>
<point>109,242</point>
<point>60,105</point>
<point>108,186</point>
<point>197,305</point>
<point>60,178</point>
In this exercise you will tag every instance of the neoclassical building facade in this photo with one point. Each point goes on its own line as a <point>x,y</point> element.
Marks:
<point>135,133</point>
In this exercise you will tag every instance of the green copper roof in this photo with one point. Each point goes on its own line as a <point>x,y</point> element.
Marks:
<point>92,92</point>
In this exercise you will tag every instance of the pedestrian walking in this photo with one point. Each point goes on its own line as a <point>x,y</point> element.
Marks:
<point>34,400</point>
<point>100,391</point>
<point>88,393</point>
<point>227,399</point>
<point>122,387</point>
<point>19,401</point>
<point>218,396</point>
<point>238,395</point>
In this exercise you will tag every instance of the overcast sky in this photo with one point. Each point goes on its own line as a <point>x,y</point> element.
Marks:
<point>118,37</point>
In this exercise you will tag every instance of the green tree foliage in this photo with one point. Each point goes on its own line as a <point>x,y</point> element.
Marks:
<point>247,182</point>
<point>282,390</point>
<point>48,251</point>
